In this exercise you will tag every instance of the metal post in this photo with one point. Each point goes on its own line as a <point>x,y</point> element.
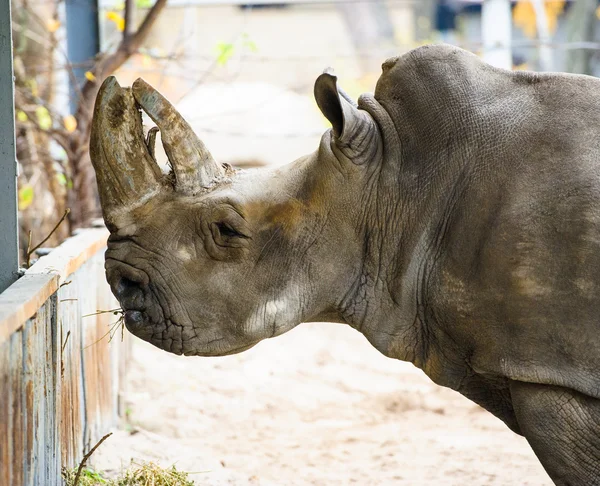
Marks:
<point>543,32</point>
<point>496,31</point>
<point>83,41</point>
<point>9,226</point>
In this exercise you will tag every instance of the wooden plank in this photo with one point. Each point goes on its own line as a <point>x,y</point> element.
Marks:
<point>40,411</point>
<point>23,299</point>
<point>50,442</point>
<point>16,409</point>
<point>40,400</point>
<point>56,369</point>
<point>91,348</point>
<point>72,253</point>
<point>117,347</point>
<point>5,417</point>
<point>100,395</point>
<point>9,230</point>
<point>40,404</point>
<point>29,403</point>
<point>70,401</point>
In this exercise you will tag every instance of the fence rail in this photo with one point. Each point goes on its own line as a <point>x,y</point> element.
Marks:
<point>60,378</point>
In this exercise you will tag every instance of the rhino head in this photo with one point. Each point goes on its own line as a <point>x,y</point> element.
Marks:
<point>209,261</point>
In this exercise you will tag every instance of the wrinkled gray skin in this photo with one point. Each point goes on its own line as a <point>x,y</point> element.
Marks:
<point>453,219</point>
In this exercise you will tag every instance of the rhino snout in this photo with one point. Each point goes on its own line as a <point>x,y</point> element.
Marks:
<point>130,294</point>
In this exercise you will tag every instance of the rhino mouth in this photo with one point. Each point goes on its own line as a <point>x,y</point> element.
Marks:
<point>162,333</point>
<point>138,323</point>
<point>134,320</point>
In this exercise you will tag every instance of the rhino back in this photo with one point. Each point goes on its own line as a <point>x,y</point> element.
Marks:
<point>448,104</point>
<point>507,169</point>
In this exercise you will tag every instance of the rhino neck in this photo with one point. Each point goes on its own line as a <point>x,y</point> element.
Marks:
<point>454,120</point>
<point>382,302</point>
<point>409,202</point>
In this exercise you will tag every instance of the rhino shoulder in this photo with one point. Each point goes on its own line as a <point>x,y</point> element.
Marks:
<point>446,70</point>
<point>441,65</point>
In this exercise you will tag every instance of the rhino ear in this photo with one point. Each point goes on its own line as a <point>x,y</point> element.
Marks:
<point>337,110</point>
<point>329,102</point>
<point>355,131</point>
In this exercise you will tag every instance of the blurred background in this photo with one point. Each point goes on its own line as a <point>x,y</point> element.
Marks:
<point>241,73</point>
<point>318,405</point>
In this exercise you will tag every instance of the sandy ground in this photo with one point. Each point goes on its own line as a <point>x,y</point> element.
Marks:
<point>317,406</point>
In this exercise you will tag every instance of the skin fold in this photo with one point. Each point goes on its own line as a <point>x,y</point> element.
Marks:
<point>453,218</point>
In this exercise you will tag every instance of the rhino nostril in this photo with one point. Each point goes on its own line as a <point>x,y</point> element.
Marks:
<point>125,285</point>
<point>130,293</point>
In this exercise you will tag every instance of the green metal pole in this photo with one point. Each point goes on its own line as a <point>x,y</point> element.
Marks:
<point>9,227</point>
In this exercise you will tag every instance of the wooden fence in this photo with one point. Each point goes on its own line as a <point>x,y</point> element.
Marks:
<point>60,377</point>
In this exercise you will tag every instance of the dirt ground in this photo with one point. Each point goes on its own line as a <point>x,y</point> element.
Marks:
<point>317,406</point>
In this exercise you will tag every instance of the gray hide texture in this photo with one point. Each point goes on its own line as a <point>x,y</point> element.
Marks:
<point>453,218</point>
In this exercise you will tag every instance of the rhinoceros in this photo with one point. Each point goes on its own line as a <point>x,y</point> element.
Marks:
<point>453,218</point>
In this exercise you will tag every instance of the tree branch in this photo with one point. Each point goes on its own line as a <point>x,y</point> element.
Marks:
<point>114,61</point>
<point>86,457</point>
<point>62,137</point>
<point>30,250</point>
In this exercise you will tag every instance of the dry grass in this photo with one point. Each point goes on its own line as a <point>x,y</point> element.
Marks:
<point>114,327</point>
<point>150,474</point>
<point>138,474</point>
<point>143,474</point>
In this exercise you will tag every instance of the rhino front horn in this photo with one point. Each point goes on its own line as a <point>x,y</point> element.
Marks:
<point>125,171</point>
<point>192,164</point>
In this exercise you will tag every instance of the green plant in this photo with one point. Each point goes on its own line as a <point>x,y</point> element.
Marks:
<point>88,477</point>
<point>143,474</point>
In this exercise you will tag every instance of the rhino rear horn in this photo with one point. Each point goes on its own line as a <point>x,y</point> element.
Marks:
<point>192,163</point>
<point>355,132</point>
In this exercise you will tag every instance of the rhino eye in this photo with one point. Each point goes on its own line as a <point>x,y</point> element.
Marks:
<point>227,231</point>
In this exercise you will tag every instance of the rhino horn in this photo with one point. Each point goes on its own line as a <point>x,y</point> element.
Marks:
<point>192,164</point>
<point>125,171</point>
